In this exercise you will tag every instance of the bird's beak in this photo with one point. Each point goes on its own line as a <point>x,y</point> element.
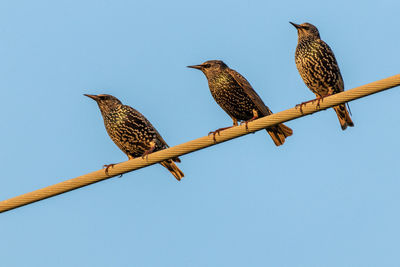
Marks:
<point>199,67</point>
<point>94,97</point>
<point>297,26</point>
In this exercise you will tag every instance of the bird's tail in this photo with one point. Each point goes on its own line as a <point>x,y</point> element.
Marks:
<point>171,166</point>
<point>343,116</point>
<point>279,133</point>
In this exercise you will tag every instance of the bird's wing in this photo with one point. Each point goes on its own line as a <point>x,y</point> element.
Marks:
<point>141,120</point>
<point>160,138</point>
<point>330,67</point>
<point>250,92</point>
<point>138,119</point>
<point>340,84</point>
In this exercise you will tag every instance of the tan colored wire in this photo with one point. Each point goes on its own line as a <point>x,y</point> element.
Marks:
<point>200,143</point>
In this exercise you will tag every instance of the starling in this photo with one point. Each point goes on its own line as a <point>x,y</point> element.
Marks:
<point>318,68</point>
<point>132,132</point>
<point>235,96</point>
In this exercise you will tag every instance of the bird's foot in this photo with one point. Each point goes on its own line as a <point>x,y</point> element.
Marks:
<point>218,132</point>
<point>247,122</point>
<point>107,166</point>
<point>319,99</point>
<point>149,151</point>
<point>303,104</point>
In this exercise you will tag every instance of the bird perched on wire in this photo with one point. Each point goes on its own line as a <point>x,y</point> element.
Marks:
<point>132,132</point>
<point>235,96</point>
<point>318,68</point>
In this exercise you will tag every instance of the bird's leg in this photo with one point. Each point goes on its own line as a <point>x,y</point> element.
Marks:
<point>255,116</point>
<point>150,150</point>
<point>235,121</point>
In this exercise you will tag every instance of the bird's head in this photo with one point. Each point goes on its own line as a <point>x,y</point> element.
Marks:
<point>306,31</point>
<point>210,67</point>
<point>105,102</point>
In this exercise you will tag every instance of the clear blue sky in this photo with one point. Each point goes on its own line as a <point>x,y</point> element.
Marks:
<point>325,198</point>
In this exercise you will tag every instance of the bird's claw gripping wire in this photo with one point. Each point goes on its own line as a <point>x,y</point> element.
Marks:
<point>303,104</point>
<point>107,166</point>
<point>218,132</point>
<point>247,122</point>
<point>318,99</point>
<point>300,106</point>
<point>149,151</point>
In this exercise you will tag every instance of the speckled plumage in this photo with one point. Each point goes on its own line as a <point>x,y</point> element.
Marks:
<point>318,68</point>
<point>234,94</point>
<point>131,131</point>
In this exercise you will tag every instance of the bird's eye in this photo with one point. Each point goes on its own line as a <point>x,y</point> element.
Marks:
<point>306,28</point>
<point>206,66</point>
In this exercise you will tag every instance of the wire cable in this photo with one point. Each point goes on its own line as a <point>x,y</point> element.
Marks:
<point>200,143</point>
